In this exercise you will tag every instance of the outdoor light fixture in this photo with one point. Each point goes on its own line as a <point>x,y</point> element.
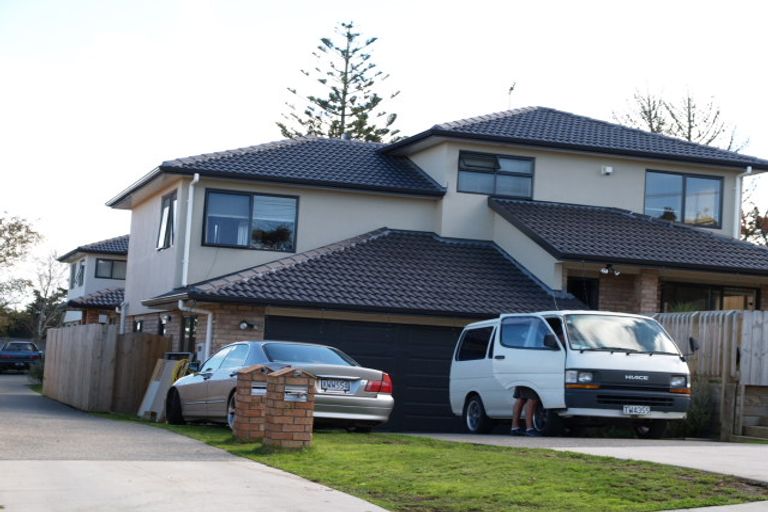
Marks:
<point>246,325</point>
<point>608,269</point>
<point>166,318</point>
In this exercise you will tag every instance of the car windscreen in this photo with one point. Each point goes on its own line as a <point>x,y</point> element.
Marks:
<point>307,354</point>
<point>20,347</point>
<point>616,332</point>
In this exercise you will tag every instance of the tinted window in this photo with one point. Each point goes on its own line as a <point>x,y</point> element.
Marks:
<point>702,201</point>
<point>664,196</point>
<point>20,347</point>
<point>523,332</point>
<point>684,198</point>
<point>214,362</point>
<point>483,173</point>
<point>309,354</point>
<point>235,358</point>
<point>474,344</point>
<point>228,219</point>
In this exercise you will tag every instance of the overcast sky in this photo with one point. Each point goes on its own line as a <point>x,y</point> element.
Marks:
<point>94,94</point>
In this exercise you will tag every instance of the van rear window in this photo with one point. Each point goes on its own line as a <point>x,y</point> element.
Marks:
<point>474,344</point>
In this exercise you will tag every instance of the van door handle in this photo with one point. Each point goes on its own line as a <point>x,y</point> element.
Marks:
<point>498,357</point>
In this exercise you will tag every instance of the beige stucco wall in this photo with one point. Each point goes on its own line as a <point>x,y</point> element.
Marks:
<point>559,176</point>
<point>152,272</point>
<point>528,253</point>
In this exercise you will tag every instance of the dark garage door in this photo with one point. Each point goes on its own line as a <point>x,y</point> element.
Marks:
<point>417,357</point>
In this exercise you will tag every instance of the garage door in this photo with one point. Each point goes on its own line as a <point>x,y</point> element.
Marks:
<point>418,358</point>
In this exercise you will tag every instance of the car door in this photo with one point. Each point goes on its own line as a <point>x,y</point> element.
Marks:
<point>194,392</point>
<point>224,380</point>
<point>471,367</point>
<point>522,358</point>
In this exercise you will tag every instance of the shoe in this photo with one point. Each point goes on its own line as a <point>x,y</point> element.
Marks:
<point>517,431</point>
<point>532,432</point>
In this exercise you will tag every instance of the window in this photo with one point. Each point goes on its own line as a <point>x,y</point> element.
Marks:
<point>213,363</point>
<point>691,199</point>
<point>235,358</point>
<point>167,230</point>
<point>683,297</point>
<point>138,326</point>
<point>162,325</point>
<point>307,354</point>
<point>586,289</point>
<point>110,269</point>
<point>501,175</point>
<point>76,274</point>
<point>524,332</point>
<point>254,221</point>
<point>474,344</point>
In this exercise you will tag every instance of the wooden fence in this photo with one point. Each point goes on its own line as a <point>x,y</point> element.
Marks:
<point>733,354</point>
<point>92,368</point>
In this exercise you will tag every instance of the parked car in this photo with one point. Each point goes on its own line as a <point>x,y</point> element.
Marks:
<point>586,367</point>
<point>346,394</point>
<point>19,355</point>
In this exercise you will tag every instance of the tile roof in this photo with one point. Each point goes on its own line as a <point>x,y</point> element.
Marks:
<point>117,245</point>
<point>548,127</point>
<point>106,299</point>
<point>315,161</point>
<point>611,235</point>
<point>388,270</point>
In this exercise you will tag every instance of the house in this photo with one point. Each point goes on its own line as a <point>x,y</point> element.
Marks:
<point>96,281</point>
<point>387,250</point>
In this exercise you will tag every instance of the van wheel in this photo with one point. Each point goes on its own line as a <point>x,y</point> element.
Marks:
<point>475,419</point>
<point>547,421</point>
<point>650,429</point>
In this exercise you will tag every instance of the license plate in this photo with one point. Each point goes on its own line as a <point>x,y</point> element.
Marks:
<point>334,385</point>
<point>20,365</point>
<point>637,410</point>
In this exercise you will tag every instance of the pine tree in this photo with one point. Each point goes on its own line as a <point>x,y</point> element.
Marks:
<point>349,102</point>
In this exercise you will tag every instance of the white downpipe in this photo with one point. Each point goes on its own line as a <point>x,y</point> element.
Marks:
<point>188,230</point>
<point>208,326</point>
<point>737,205</point>
<point>123,316</point>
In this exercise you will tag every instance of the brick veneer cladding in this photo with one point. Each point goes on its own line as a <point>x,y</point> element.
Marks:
<point>764,297</point>
<point>250,415</point>
<point>617,293</point>
<point>289,424</point>
<point>226,323</point>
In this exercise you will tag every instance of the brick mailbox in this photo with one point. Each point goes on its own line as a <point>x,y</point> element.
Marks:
<point>289,408</point>
<point>250,403</point>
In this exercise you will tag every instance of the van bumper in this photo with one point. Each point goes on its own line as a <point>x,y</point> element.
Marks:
<point>609,403</point>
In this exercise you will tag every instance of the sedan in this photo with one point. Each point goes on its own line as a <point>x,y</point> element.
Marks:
<point>346,394</point>
<point>19,355</point>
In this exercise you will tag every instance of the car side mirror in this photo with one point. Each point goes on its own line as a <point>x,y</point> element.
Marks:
<point>550,341</point>
<point>693,345</point>
<point>193,367</point>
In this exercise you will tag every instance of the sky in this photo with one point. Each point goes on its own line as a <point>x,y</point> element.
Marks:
<point>95,94</point>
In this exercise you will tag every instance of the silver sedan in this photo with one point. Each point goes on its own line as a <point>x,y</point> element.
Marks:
<point>346,394</point>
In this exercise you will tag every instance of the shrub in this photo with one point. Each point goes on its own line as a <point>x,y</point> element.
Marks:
<point>700,419</point>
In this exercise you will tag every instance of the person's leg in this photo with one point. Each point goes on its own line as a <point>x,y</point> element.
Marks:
<point>516,413</point>
<point>530,408</point>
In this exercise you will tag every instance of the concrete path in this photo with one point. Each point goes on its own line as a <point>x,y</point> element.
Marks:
<point>54,458</point>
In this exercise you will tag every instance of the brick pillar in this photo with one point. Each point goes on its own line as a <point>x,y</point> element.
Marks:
<point>290,408</point>
<point>250,399</point>
<point>647,292</point>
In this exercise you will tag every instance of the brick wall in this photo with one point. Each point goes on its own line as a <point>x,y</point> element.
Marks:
<point>226,323</point>
<point>648,292</point>
<point>91,316</point>
<point>617,293</point>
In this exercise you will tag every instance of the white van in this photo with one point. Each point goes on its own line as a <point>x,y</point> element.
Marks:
<point>585,367</point>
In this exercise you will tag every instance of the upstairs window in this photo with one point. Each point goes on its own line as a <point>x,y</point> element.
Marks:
<point>76,274</point>
<point>110,269</point>
<point>251,221</point>
<point>499,175</point>
<point>688,198</point>
<point>167,221</point>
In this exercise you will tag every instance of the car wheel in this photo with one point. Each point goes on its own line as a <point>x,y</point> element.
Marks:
<point>651,429</point>
<point>231,411</point>
<point>547,421</point>
<point>173,413</point>
<point>475,419</point>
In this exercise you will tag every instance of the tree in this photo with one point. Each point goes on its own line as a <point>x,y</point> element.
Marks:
<point>16,238</point>
<point>49,298</point>
<point>688,119</point>
<point>348,101</point>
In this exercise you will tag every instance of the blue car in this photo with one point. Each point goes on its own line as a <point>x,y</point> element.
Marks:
<point>19,355</point>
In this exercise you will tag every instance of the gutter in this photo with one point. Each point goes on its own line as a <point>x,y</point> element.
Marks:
<point>208,325</point>
<point>188,230</point>
<point>737,202</point>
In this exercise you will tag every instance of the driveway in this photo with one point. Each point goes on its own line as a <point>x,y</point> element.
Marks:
<point>54,458</point>
<point>744,460</point>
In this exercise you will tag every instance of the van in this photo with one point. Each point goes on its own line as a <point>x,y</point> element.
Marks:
<point>586,368</point>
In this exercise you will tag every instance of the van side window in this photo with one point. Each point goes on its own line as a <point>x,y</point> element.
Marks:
<point>522,332</point>
<point>474,344</point>
<point>557,325</point>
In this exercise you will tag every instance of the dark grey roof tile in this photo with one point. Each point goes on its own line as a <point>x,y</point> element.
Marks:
<point>117,245</point>
<point>104,299</point>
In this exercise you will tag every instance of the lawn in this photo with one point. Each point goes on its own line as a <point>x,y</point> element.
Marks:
<point>404,473</point>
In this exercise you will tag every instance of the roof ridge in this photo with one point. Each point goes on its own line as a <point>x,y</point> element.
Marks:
<point>290,261</point>
<point>501,114</point>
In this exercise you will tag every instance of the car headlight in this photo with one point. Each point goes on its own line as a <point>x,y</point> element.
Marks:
<point>578,377</point>
<point>678,381</point>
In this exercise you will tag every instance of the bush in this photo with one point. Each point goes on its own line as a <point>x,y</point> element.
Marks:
<point>700,419</point>
<point>36,372</point>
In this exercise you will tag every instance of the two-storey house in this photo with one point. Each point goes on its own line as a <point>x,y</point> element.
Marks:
<point>97,274</point>
<point>387,250</point>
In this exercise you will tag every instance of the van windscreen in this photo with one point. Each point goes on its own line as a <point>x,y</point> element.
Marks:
<point>620,333</point>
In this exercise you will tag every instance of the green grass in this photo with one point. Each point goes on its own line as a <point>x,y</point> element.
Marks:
<point>404,473</point>
<point>37,388</point>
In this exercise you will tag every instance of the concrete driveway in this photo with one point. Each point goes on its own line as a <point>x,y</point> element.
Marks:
<point>744,460</point>
<point>54,458</point>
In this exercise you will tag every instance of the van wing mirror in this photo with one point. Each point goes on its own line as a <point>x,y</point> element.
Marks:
<point>193,367</point>
<point>550,341</point>
<point>693,345</point>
